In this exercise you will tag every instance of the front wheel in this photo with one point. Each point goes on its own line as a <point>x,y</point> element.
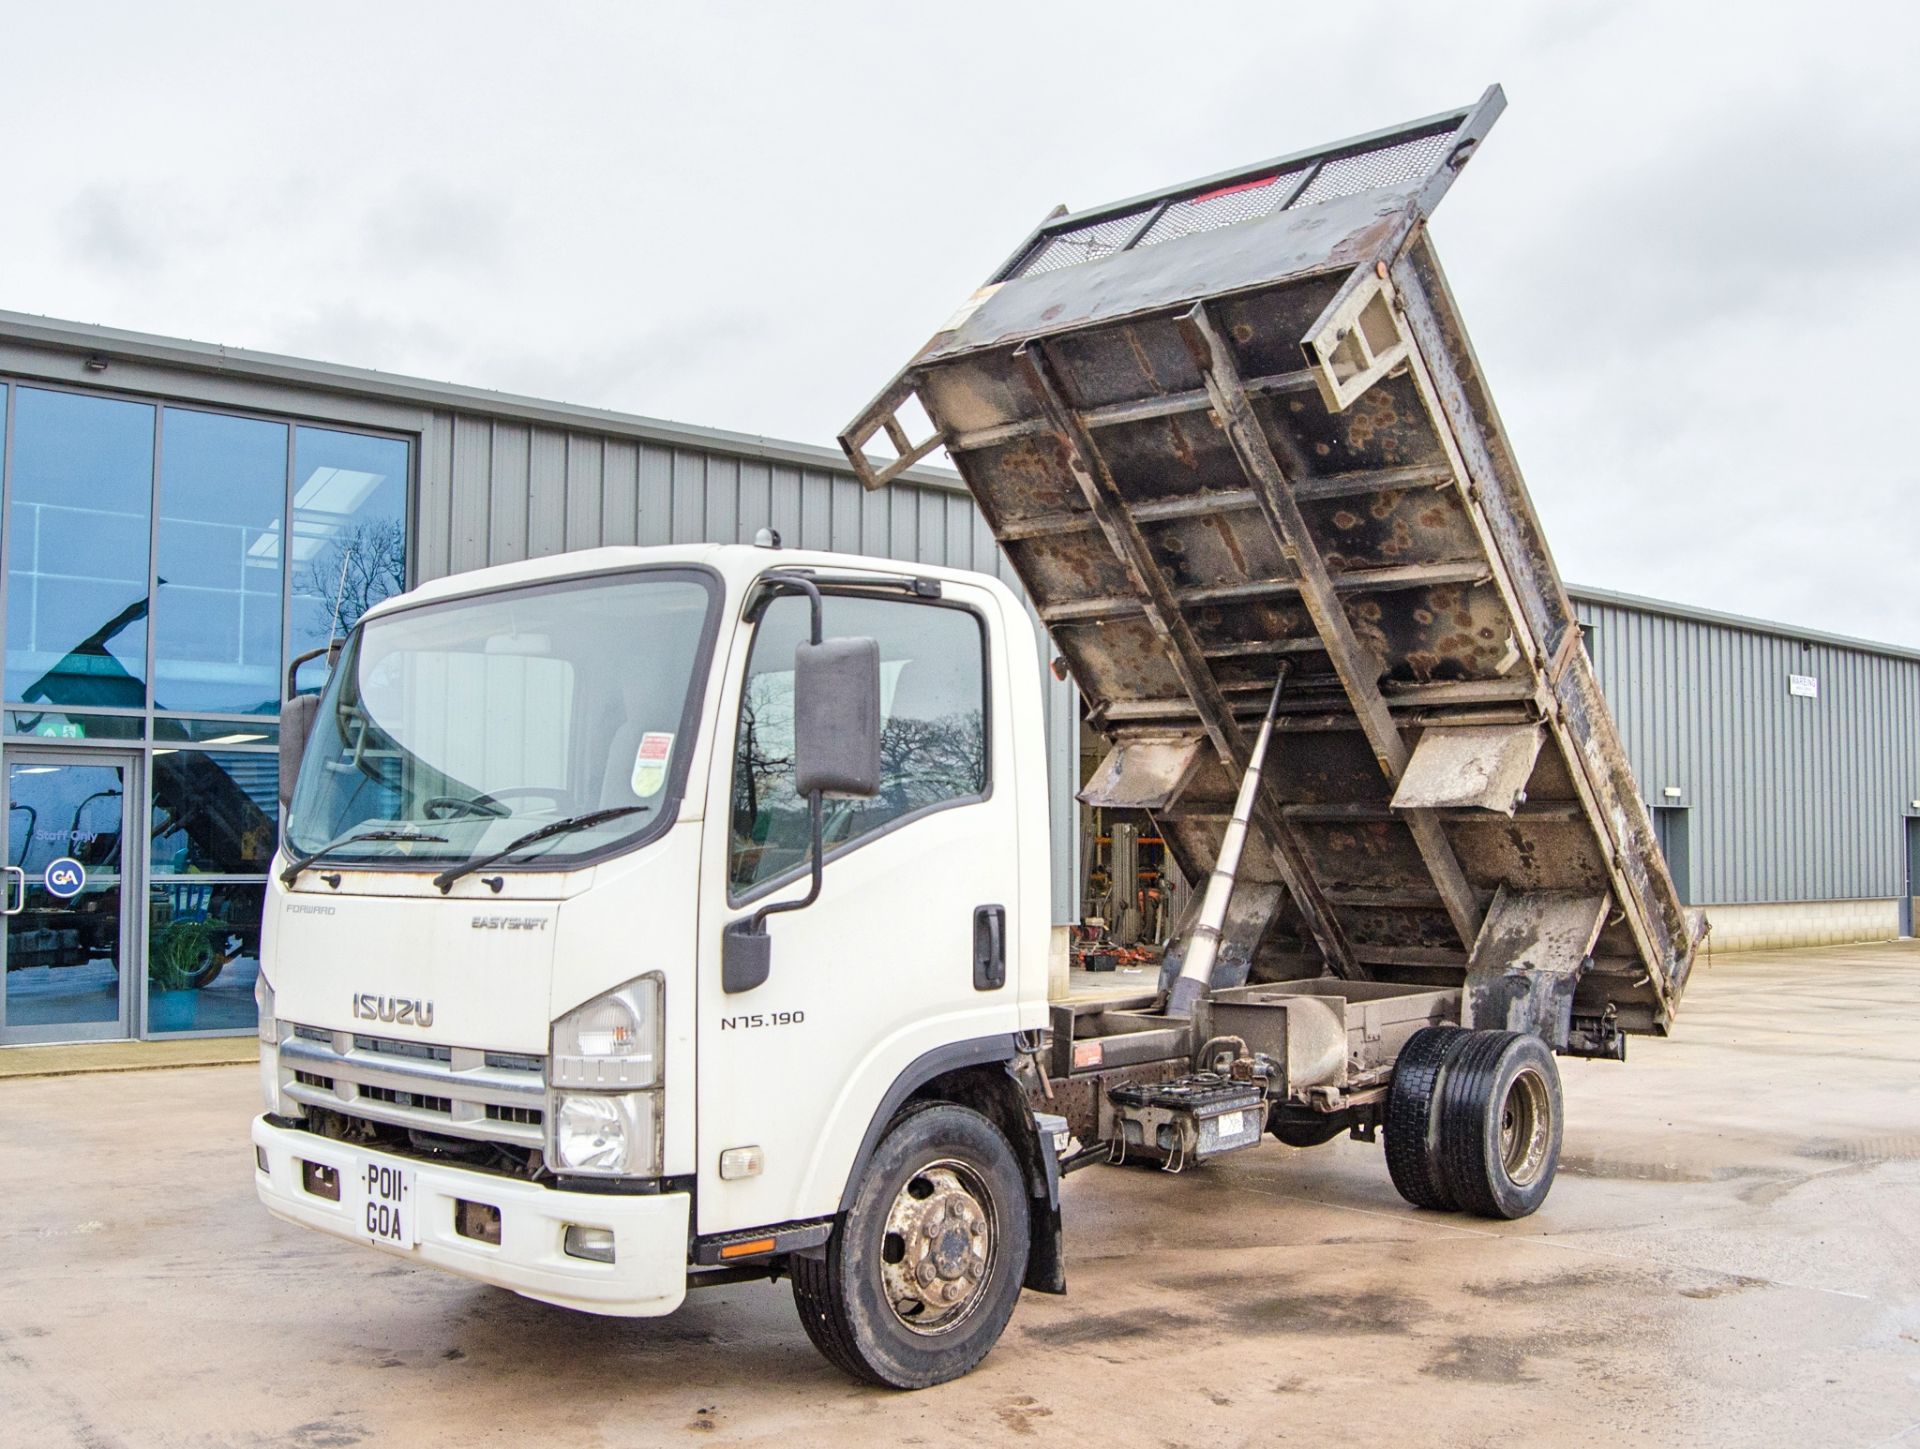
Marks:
<point>921,1274</point>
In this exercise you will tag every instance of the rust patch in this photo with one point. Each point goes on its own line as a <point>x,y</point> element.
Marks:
<point>1182,449</point>
<point>1230,541</point>
<point>1144,362</point>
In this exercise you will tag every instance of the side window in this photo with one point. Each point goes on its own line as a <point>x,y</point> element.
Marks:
<point>933,746</point>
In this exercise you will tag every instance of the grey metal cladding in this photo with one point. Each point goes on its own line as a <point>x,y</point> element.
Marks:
<point>1787,797</point>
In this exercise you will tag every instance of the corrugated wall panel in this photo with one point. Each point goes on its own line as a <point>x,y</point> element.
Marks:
<point>1787,798</point>
<point>433,501</point>
<point>619,491</point>
<point>546,492</point>
<point>586,464</point>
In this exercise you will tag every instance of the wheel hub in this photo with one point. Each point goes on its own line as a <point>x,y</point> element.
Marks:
<point>1526,1128</point>
<point>938,1250</point>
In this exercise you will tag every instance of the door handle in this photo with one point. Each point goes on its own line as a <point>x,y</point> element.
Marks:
<point>989,948</point>
<point>14,908</point>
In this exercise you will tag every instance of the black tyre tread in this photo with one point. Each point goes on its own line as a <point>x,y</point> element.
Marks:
<point>1462,1111</point>
<point>824,1318</point>
<point>1465,1104</point>
<point>823,1308</point>
<point>1417,1075</point>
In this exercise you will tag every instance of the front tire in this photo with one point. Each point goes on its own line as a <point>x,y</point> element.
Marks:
<point>922,1272</point>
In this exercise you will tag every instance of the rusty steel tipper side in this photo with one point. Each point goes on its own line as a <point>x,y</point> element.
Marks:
<point>1234,433</point>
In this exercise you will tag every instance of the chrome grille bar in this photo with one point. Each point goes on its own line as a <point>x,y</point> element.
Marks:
<point>371,1080</point>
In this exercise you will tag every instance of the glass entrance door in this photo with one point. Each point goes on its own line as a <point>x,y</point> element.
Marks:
<point>66,923</point>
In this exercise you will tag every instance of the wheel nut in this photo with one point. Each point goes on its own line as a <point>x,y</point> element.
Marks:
<point>925,1273</point>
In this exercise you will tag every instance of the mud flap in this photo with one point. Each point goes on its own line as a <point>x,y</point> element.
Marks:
<point>1046,1248</point>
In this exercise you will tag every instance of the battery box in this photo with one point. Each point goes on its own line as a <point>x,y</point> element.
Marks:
<point>1189,1119</point>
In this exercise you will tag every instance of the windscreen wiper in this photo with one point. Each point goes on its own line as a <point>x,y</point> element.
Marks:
<point>452,873</point>
<point>292,872</point>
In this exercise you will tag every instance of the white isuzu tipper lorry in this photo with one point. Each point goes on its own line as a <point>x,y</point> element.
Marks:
<point>650,918</point>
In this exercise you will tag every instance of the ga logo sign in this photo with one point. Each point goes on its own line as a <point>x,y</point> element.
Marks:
<point>66,877</point>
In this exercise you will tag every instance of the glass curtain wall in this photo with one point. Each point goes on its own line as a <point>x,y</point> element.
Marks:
<point>163,565</point>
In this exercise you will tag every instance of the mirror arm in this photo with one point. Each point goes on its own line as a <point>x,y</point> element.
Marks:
<point>746,957</point>
<point>331,649</point>
<point>812,591</point>
<point>757,924</point>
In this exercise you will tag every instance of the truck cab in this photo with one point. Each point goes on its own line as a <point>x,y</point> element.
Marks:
<point>500,1033</point>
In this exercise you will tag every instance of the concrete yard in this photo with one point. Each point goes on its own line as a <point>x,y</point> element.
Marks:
<point>1731,1256</point>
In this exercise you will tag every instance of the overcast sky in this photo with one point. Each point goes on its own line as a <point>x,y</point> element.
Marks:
<point>1685,253</point>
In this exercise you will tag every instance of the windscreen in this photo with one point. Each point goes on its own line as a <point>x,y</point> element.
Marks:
<point>460,727</point>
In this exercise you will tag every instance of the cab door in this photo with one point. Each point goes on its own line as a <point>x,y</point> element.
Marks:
<point>884,966</point>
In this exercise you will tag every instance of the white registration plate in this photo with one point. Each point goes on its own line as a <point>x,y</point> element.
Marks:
<point>387,1214</point>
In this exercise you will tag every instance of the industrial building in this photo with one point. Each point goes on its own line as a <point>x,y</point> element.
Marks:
<point>183,521</point>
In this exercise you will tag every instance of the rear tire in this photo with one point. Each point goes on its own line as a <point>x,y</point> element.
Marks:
<point>1499,1124</point>
<point>922,1272</point>
<point>1412,1116</point>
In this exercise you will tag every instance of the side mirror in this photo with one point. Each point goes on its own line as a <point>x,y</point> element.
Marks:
<point>836,718</point>
<point>296,726</point>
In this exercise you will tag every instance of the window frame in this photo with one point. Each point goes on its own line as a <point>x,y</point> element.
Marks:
<point>762,595</point>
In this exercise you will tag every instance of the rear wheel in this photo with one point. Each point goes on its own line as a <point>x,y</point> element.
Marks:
<point>922,1272</point>
<point>1412,1116</point>
<point>1499,1124</point>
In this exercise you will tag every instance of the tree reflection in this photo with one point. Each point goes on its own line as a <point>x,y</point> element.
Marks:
<point>362,564</point>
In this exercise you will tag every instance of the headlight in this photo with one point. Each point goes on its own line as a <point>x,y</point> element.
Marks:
<point>603,1081</point>
<point>612,1041</point>
<point>603,1133</point>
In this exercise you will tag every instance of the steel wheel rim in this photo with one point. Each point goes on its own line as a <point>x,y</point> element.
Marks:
<point>1526,1127</point>
<point>938,1248</point>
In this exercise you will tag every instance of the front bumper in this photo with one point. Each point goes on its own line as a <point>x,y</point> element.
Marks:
<point>648,1276</point>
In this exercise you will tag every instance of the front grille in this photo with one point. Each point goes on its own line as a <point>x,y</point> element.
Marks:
<point>420,1050</point>
<point>515,1062</point>
<point>461,1092</point>
<point>412,1099</point>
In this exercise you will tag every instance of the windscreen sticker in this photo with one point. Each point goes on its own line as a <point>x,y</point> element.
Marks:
<point>650,764</point>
